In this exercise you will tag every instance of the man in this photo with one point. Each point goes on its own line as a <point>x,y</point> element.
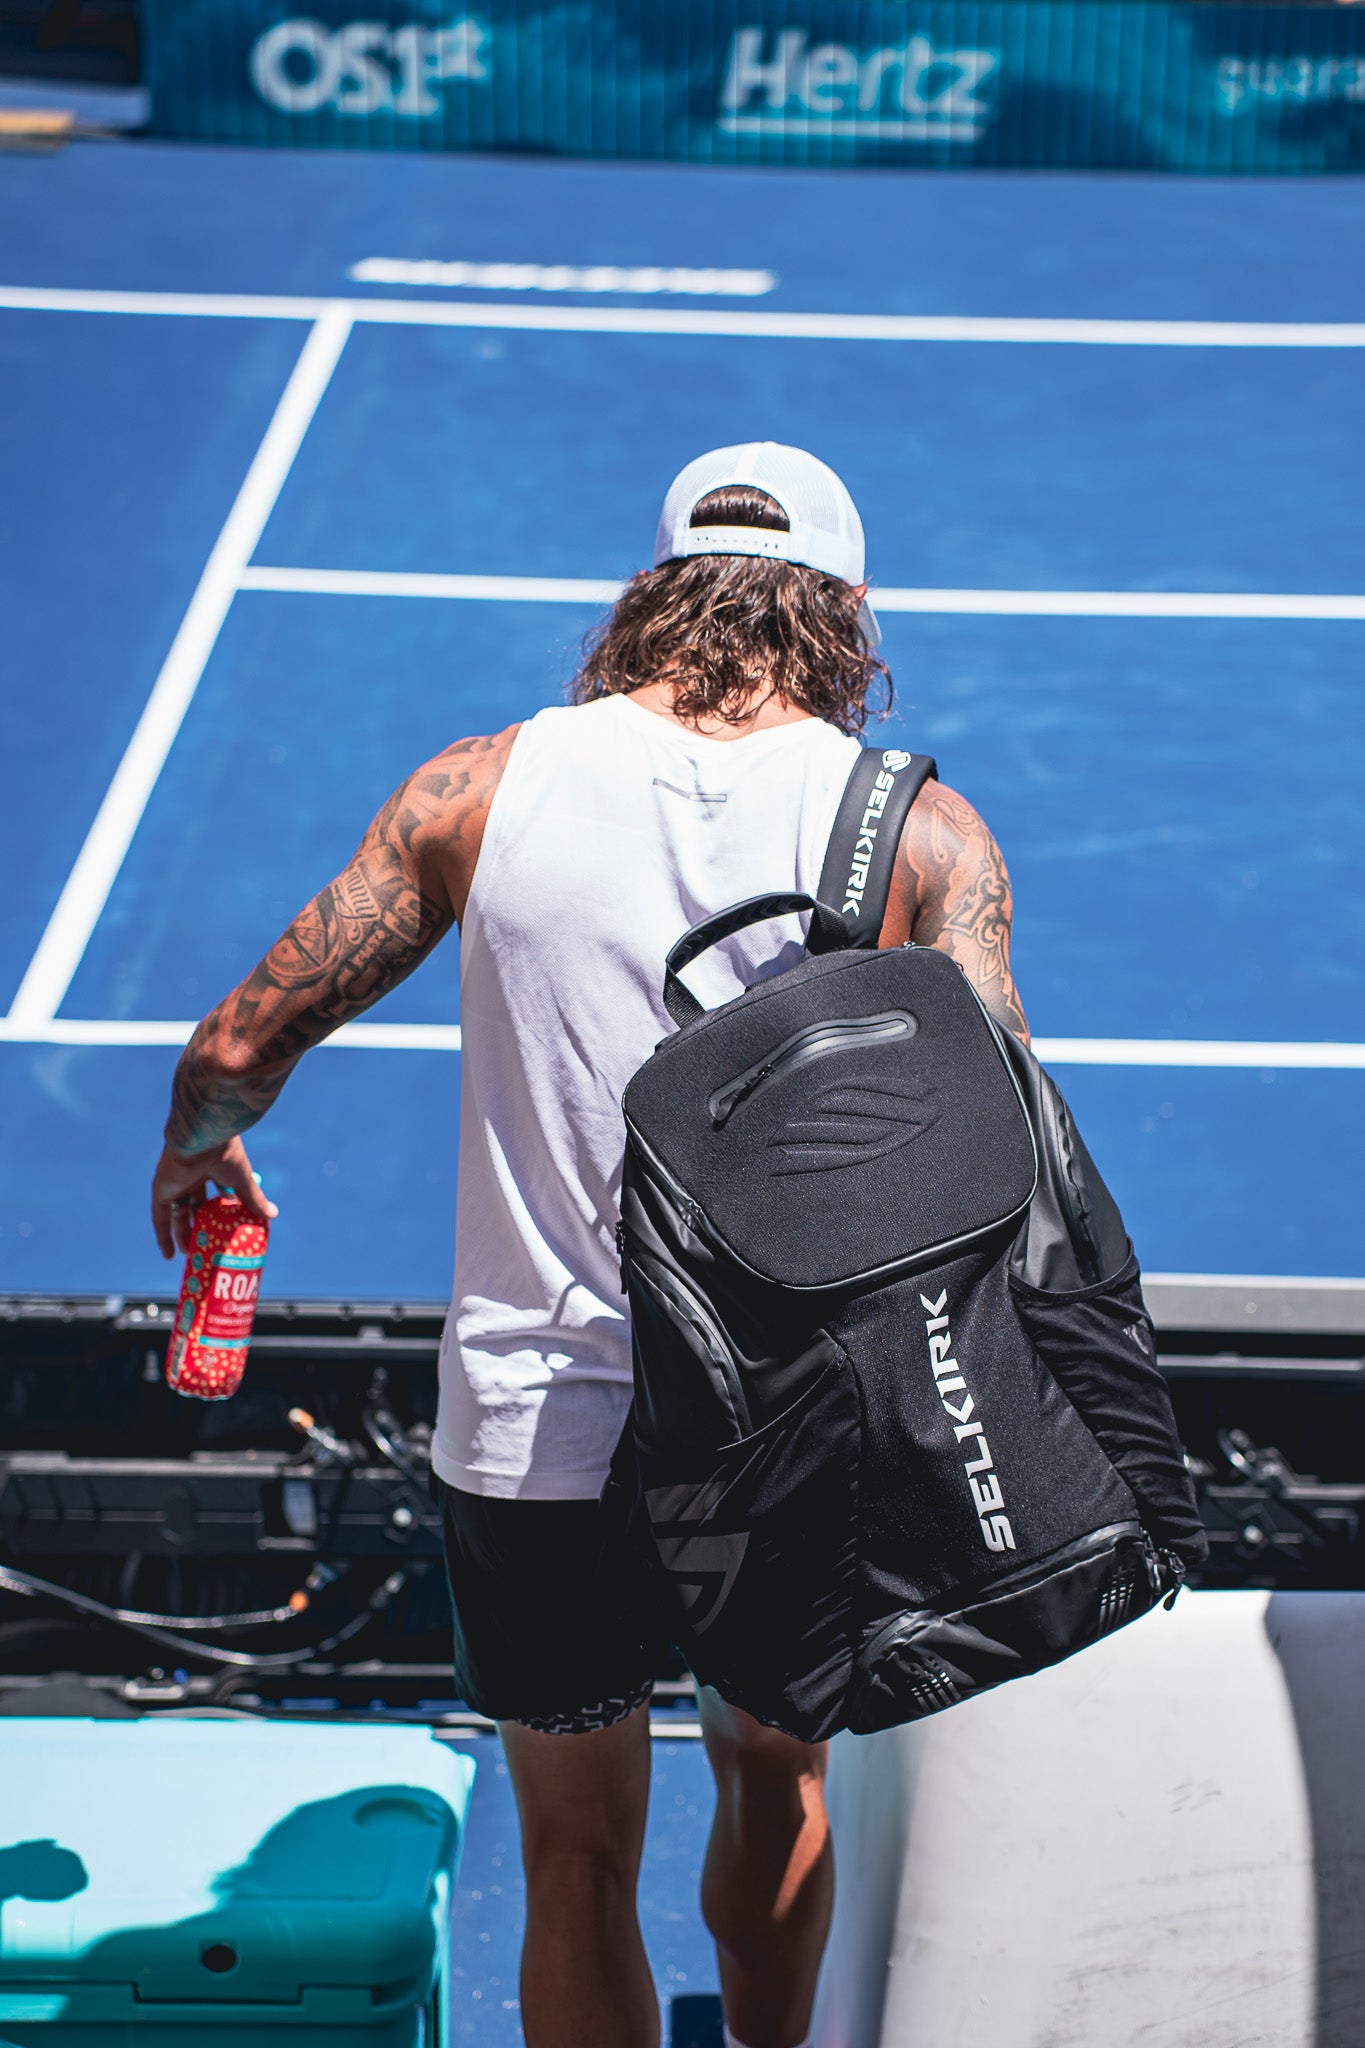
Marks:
<point>702,761</point>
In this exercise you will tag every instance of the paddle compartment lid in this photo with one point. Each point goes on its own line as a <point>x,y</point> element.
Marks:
<point>853,1115</point>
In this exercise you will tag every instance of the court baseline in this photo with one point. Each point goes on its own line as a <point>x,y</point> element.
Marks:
<point>687,320</point>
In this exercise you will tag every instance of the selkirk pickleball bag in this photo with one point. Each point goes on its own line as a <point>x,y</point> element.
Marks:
<point>898,1432</point>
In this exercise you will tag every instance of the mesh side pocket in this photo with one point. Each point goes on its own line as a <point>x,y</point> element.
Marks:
<point>1098,1344</point>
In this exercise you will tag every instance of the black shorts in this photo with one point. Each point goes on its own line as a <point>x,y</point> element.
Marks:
<point>554,1626</point>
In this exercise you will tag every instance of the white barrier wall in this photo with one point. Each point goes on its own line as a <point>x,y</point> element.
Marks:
<point>1160,1844</point>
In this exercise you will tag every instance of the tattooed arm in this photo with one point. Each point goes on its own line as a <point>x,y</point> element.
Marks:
<point>951,890</point>
<point>401,892</point>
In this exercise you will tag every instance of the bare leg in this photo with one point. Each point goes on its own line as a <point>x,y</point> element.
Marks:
<point>768,1885</point>
<point>585,1982</point>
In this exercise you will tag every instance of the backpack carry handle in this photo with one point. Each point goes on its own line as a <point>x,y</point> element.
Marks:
<point>827,934</point>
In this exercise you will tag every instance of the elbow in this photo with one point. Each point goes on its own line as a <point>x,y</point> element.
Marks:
<point>214,1055</point>
<point>237,1060</point>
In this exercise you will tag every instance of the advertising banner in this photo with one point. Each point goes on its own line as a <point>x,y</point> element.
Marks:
<point>1124,84</point>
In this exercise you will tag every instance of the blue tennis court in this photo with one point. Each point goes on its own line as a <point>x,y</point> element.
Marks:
<point>273,535</point>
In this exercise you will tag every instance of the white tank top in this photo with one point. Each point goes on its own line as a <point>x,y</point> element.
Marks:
<point>611,831</point>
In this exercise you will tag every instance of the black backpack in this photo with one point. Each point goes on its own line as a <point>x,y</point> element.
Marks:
<point>898,1432</point>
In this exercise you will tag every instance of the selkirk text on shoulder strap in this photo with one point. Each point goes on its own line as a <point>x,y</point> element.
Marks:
<point>860,861</point>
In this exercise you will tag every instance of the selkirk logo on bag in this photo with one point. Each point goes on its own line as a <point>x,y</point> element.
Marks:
<point>898,1431</point>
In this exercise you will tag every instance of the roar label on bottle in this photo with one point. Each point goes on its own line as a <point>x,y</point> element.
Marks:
<point>218,1297</point>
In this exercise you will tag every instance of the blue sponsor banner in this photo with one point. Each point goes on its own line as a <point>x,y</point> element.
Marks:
<point>1136,84</point>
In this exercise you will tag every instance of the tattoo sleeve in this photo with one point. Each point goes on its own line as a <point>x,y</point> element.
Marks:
<point>964,904</point>
<point>358,938</point>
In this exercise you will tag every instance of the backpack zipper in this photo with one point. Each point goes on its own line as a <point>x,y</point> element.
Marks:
<point>801,1048</point>
<point>971,1599</point>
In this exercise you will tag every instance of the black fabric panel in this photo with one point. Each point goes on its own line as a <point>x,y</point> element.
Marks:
<point>923,1534</point>
<point>871,1153</point>
<point>1099,1345</point>
<point>692,1395</point>
<point>758,1543</point>
<point>775,1339</point>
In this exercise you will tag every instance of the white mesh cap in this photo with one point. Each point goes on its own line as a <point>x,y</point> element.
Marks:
<point>825,531</point>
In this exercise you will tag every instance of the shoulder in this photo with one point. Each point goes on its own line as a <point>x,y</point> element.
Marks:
<point>943,839</point>
<point>953,892</point>
<point>437,816</point>
<point>942,825</point>
<point>439,799</point>
<point>466,771</point>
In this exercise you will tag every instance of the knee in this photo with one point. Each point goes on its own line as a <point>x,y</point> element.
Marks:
<point>580,1869</point>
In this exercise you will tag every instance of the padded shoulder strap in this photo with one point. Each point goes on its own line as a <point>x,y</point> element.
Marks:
<point>856,877</point>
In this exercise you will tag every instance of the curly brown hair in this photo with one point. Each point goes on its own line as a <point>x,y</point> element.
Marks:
<point>720,626</point>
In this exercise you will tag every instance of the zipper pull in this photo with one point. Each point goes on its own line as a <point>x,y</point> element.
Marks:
<point>621,1249</point>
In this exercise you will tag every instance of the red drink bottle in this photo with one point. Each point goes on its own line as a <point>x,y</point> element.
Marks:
<point>218,1297</point>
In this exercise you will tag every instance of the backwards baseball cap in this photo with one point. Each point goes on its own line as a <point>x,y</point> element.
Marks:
<point>824,531</point>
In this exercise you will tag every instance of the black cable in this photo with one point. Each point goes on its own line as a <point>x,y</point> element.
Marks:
<point>275,1660</point>
<point>376,1422</point>
<point>261,1617</point>
<point>413,1482</point>
<point>386,1447</point>
<point>257,1618</point>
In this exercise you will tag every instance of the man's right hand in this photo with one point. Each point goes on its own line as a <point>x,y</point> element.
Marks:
<point>180,1184</point>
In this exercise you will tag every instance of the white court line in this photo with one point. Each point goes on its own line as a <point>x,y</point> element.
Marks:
<point>87,887</point>
<point>405,583</point>
<point>193,305</point>
<point>118,1031</point>
<point>694,320</point>
<point>1323,1285</point>
<point>1064,1052</point>
<point>1197,1052</point>
<point>1081,604</point>
<point>1125,604</point>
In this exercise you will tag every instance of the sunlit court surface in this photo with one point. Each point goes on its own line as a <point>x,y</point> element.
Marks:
<point>275,535</point>
<point>282,517</point>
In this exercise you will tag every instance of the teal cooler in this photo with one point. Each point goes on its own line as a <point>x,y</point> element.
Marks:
<point>173,1881</point>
